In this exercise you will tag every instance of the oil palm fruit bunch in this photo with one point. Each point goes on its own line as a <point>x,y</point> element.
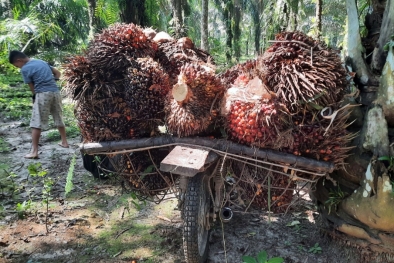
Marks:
<point>240,74</point>
<point>146,88</point>
<point>320,138</point>
<point>259,123</point>
<point>192,105</point>
<point>117,45</point>
<point>173,54</point>
<point>118,88</point>
<point>302,70</point>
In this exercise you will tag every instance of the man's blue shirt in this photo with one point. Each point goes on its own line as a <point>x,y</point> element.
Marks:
<point>40,74</point>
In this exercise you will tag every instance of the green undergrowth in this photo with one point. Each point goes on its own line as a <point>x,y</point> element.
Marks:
<point>4,146</point>
<point>15,102</point>
<point>137,240</point>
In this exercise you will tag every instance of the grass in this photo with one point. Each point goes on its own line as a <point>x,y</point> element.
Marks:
<point>136,242</point>
<point>4,146</point>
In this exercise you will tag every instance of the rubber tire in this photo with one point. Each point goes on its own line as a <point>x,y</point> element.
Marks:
<point>195,248</point>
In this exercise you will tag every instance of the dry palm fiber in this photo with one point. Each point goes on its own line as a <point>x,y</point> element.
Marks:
<point>140,172</point>
<point>116,46</point>
<point>255,183</point>
<point>301,70</point>
<point>193,103</point>
<point>173,54</point>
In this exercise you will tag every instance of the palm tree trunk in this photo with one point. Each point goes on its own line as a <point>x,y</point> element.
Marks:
<point>91,9</point>
<point>354,46</point>
<point>204,25</point>
<point>237,30</point>
<point>133,11</point>
<point>386,31</point>
<point>319,4</point>
<point>179,29</point>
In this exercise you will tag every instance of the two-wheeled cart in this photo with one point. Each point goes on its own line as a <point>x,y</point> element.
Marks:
<point>197,170</point>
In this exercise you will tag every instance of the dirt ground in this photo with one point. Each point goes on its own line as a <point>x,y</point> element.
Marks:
<point>99,223</point>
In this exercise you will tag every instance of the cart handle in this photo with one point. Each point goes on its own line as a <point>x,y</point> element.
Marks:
<point>141,144</point>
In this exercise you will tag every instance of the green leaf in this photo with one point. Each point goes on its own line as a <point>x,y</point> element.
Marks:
<point>262,257</point>
<point>293,223</point>
<point>276,260</point>
<point>149,169</point>
<point>384,158</point>
<point>248,259</point>
<point>69,184</point>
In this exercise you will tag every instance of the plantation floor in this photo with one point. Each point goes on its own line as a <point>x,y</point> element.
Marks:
<point>97,223</point>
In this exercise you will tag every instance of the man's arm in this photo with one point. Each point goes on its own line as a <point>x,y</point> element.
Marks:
<point>31,86</point>
<point>56,73</point>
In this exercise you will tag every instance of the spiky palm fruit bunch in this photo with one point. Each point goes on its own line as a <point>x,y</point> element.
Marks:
<point>127,105</point>
<point>301,70</point>
<point>140,172</point>
<point>192,104</point>
<point>174,54</point>
<point>107,119</point>
<point>255,184</point>
<point>260,123</point>
<point>117,45</point>
<point>147,85</point>
<point>320,138</point>
<point>78,73</point>
<point>240,74</point>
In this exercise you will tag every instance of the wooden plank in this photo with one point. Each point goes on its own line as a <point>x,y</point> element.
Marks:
<point>222,145</point>
<point>184,161</point>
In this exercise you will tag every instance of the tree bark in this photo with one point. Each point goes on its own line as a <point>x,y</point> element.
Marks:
<point>386,31</point>
<point>204,25</point>
<point>92,4</point>
<point>229,33</point>
<point>133,11</point>
<point>256,6</point>
<point>319,7</point>
<point>354,46</point>
<point>237,30</point>
<point>179,28</point>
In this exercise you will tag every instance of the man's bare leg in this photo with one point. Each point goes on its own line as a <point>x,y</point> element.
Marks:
<point>35,135</point>
<point>62,131</point>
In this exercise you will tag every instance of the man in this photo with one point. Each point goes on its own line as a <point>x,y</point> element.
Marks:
<point>41,79</point>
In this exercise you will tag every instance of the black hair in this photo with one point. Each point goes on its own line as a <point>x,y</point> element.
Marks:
<point>15,54</point>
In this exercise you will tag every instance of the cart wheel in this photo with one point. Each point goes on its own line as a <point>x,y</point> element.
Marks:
<point>195,222</point>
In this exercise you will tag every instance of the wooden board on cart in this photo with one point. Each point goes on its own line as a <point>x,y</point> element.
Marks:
<point>185,161</point>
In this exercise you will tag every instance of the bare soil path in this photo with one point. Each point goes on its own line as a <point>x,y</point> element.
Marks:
<point>96,222</point>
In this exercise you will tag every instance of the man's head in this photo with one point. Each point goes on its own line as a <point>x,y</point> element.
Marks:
<point>18,59</point>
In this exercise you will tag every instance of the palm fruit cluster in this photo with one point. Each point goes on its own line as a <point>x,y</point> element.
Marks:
<point>140,172</point>
<point>193,103</point>
<point>302,70</point>
<point>302,77</point>
<point>255,184</point>
<point>257,123</point>
<point>240,74</point>
<point>116,46</point>
<point>174,54</point>
<point>118,86</point>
